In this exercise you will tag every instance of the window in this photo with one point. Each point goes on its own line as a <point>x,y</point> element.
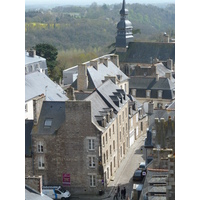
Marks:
<point>103,141</point>
<point>114,161</point>
<point>126,112</point>
<point>123,116</point>
<point>148,93</point>
<point>57,192</point>
<point>91,161</point>
<point>104,158</point>
<point>120,119</point>
<point>121,151</point>
<point>92,180</point>
<point>41,162</point>
<point>126,127</point>
<point>113,145</point>
<point>91,144</point>
<point>106,138</point>
<point>124,148</point>
<point>40,148</point>
<point>123,130</point>
<point>110,133</point>
<point>159,93</point>
<point>113,128</point>
<point>107,155</point>
<point>48,123</point>
<point>141,126</point>
<point>110,150</point>
<point>120,135</point>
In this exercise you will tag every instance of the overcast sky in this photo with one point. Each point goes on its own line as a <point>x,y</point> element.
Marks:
<point>88,2</point>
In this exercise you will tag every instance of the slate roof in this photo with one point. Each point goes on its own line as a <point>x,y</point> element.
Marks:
<point>37,62</point>
<point>141,84</point>
<point>97,105</point>
<point>28,129</point>
<point>145,52</point>
<point>35,84</point>
<point>50,110</point>
<point>108,91</point>
<point>160,69</point>
<point>96,77</point>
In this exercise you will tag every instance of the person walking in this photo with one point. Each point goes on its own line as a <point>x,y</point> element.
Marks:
<point>124,193</point>
<point>115,195</point>
<point>118,191</point>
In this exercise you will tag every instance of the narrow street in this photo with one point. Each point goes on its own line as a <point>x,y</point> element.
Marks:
<point>123,176</point>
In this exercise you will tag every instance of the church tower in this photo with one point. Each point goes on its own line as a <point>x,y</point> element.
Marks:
<point>124,31</point>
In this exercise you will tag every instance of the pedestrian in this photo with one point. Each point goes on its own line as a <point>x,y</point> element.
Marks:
<point>124,192</point>
<point>115,195</point>
<point>118,191</point>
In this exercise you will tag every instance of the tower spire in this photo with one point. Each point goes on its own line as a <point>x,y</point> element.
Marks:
<point>123,11</point>
<point>124,31</point>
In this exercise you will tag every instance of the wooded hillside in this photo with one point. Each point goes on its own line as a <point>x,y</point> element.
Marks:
<point>93,28</point>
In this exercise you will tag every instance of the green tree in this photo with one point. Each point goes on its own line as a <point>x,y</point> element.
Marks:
<point>50,53</point>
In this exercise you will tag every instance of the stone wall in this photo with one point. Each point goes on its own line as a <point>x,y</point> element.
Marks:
<point>28,166</point>
<point>67,151</point>
<point>34,182</point>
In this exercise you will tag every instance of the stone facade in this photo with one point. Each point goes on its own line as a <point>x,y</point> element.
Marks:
<point>69,151</point>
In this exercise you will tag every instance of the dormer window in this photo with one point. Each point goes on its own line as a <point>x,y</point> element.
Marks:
<point>48,123</point>
<point>133,92</point>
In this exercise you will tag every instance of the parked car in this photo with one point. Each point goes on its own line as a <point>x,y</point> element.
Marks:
<point>56,192</point>
<point>142,166</point>
<point>137,176</point>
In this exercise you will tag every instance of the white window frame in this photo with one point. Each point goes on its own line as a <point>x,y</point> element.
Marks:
<point>40,147</point>
<point>41,163</point>
<point>92,180</point>
<point>91,144</point>
<point>92,162</point>
<point>160,93</point>
<point>148,93</point>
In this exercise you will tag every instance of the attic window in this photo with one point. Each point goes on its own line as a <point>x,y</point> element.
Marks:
<point>48,123</point>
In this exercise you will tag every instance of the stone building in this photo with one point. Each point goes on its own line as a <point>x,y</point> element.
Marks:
<point>86,140</point>
<point>132,53</point>
<point>138,119</point>
<point>92,74</point>
<point>110,115</point>
<point>152,83</point>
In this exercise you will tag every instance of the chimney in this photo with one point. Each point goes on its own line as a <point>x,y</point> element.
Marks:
<point>70,93</point>
<point>82,79</point>
<point>104,61</point>
<point>115,59</point>
<point>157,77</point>
<point>112,78</point>
<point>170,64</point>
<point>32,53</point>
<point>165,37</point>
<point>150,107</point>
<point>168,75</point>
<point>94,63</point>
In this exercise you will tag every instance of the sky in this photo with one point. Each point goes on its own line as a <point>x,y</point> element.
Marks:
<point>88,2</point>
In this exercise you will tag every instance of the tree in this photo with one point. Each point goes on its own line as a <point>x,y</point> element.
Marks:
<point>50,53</point>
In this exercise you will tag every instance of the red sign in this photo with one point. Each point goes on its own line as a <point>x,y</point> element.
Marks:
<point>66,179</point>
